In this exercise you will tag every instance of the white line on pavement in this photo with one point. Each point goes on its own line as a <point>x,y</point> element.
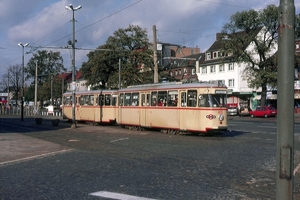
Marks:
<point>119,139</point>
<point>117,196</point>
<point>37,156</point>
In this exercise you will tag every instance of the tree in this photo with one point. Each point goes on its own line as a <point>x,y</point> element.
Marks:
<point>131,46</point>
<point>258,28</point>
<point>50,64</point>
<point>13,79</point>
<point>297,27</point>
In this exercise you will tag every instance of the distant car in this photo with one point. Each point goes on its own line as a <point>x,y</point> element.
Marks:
<point>232,110</point>
<point>264,111</point>
<point>244,111</point>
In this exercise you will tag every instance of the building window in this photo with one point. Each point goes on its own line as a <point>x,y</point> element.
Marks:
<point>204,70</point>
<point>207,56</point>
<point>193,71</point>
<point>180,72</point>
<point>220,54</point>
<point>171,74</point>
<point>231,82</point>
<point>212,69</point>
<point>230,67</point>
<point>215,55</point>
<point>176,73</point>
<point>221,68</point>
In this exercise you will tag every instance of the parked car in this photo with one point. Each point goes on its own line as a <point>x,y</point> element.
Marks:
<point>233,110</point>
<point>264,111</point>
<point>244,111</point>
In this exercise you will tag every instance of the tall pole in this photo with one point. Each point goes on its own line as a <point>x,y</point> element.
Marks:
<point>35,88</point>
<point>119,73</point>
<point>73,74</point>
<point>22,81</point>
<point>155,55</point>
<point>285,102</point>
<point>8,98</point>
<point>70,7</point>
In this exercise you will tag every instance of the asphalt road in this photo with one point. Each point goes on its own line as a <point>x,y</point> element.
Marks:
<point>104,162</point>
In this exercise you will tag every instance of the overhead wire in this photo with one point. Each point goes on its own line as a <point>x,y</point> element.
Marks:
<point>99,20</point>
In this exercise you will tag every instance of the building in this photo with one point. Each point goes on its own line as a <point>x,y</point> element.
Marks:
<point>214,65</point>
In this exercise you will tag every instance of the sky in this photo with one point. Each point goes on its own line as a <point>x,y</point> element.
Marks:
<point>47,24</point>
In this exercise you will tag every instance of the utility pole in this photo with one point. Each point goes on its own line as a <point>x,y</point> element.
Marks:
<point>70,7</point>
<point>119,73</point>
<point>285,102</point>
<point>22,80</point>
<point>155,55</point>
<point>35,88</point>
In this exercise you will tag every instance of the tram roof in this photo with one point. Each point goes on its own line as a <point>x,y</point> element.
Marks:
<point>175,85</point>
<point>158,86</point>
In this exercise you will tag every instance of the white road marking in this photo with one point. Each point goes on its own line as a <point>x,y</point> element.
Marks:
<point>117,196</point>
<point>296,169</point>
<point>119,139</point>
<point>37,156</point>
<point>267,126</point>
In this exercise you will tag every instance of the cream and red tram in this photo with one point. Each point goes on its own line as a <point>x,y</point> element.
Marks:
<point>174,107</point>
<point>96,106</point>
<point>171,107</point>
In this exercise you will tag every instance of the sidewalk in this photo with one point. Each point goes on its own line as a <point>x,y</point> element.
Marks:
<point>17,147</point>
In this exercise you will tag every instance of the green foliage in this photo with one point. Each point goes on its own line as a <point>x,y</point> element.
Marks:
<point>49,64</point>
<point>131,47</point>
<point>297,26</point>
<point>258,28</point>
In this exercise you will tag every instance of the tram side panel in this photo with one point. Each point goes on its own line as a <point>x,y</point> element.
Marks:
<point>129,115</point>
<point>163,117</point>
<point>67,111</point>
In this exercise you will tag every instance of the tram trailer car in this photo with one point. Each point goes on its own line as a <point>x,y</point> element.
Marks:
<point>171,107</point>
<point>96,106</point>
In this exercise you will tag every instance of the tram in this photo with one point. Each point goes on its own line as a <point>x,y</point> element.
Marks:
<point>96,106</point>
<point>174,107</point>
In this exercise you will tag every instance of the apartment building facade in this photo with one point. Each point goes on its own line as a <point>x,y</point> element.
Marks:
<point>213,65</point>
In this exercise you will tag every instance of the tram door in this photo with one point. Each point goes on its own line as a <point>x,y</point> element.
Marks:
<point>144,116</point>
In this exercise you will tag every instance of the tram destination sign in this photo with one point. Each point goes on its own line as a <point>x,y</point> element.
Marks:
<point>220,92</point>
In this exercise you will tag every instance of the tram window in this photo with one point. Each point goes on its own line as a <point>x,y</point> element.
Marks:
<point>153,98</point>
<point>192,98</point>
<point>114,100</point>
<point>107,99</point>
<point>172,98</point>
<point>135,99</point>
<point>147,99</point>
<point>127,101</point>
<point>101,100</point>
<point>121,99</point>
<point>162,96</point>
<point>143,99</point>
<point>81,100</point>
<point>183,99</point>
<point>203,100</point>
<point>91,102</point>
<point>68,100</point>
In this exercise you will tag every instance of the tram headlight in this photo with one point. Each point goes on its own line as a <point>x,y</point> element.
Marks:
<point>221,117</point>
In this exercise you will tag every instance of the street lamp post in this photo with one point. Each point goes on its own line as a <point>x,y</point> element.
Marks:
<point>22,82</point>
<point>70,7</point>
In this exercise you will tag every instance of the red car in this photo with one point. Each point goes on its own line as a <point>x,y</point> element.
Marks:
<point>264,111</point>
